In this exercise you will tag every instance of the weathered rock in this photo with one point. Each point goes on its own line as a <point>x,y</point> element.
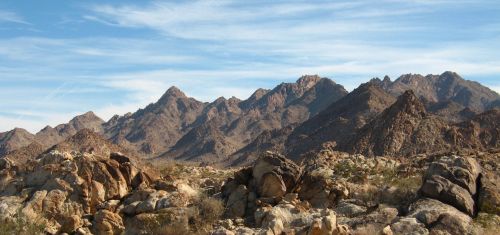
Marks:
<point>409,226</point>
<point>71,223</point>
<point>280,166</point>
<point>324,226</point>
<point>349,209</point>
<point>442,189</point>
<point>108,223</point>
<point>489,196</point>
<point>237,202</point>
<point>440,217</point>
<point>272,185</point>
<point>33,208</point>
<point>453,180</point>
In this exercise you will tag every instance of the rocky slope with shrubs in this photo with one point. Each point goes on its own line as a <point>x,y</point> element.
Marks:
<point>87,185</point>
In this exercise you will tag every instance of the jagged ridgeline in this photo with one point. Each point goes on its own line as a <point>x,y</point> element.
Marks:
<point>419,155</point>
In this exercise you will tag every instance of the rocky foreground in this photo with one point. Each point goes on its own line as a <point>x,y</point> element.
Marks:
<point>86,186</point>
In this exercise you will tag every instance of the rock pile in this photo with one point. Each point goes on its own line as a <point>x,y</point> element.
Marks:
<point>265,195</point>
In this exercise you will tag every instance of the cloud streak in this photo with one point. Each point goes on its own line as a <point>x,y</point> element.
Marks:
<point>116,58</point>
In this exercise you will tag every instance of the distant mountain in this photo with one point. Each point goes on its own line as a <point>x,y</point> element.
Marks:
<point>441,112</point>
<point>14,139</point>
<point>339,121</point>
<point>406,128</point>
<point>157,127</point>
<point>226,126</point>
<point>446,87</point>
<point>49,136</point>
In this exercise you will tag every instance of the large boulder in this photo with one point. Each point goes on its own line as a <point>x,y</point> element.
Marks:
<point>319,188</point>
<point>440,217</point>
<point>453,180</point>
<point>275,175</point>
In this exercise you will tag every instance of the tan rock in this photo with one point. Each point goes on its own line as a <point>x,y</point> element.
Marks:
<point>107,223</point>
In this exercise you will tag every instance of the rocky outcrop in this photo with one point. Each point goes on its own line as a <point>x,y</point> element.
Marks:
<point>453,180</point>
<point>74,179</point>
<point>267,181</point>
<point>265,195</point>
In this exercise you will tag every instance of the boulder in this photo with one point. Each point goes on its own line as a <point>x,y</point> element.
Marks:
<point>453,180</point>
<point>107,223</point>
<point>440,217</point>
<point>272,185</point>
<point>284,170</point>
<point>489,196</point>
<point>444,190</point>
<point>409,226</point>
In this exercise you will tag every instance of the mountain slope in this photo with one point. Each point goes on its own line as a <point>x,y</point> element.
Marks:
<point>402,129</point>
<point>14,139</point>
<point>157,127</point>
<point>340,120</point>
<point>49,136</point>
<point>406,128</point>
<point>226,126</point>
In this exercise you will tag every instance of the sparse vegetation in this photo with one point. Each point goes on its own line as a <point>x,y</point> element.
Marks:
<point>209,211</point>
<point>488,223</point>
<point>21,226</point>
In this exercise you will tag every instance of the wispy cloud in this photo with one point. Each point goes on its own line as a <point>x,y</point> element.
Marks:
<point>12,17</point>
<point>115,58</point>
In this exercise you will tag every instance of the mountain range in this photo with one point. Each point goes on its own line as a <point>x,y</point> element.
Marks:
<point>412,114</point>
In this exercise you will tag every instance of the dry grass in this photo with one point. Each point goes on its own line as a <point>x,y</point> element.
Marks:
<point>205,212</point>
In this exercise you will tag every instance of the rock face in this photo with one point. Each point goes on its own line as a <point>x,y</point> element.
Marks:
<point>455,181</point>
<point>404,128</point>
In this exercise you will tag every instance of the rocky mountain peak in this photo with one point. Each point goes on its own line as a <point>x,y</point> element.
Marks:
<point>410,104</point>
<point>87,117</point>
<point>308,81</point>
<point>387,78</point>
<point>172,93</point>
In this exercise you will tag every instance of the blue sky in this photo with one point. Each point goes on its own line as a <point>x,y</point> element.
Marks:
<point>62,58</point>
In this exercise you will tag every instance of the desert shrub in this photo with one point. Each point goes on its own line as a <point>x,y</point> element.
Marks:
<point>209,211</point>
<point>22,226</point>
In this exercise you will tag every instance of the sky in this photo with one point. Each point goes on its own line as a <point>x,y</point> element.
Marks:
<point>60,58</point>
